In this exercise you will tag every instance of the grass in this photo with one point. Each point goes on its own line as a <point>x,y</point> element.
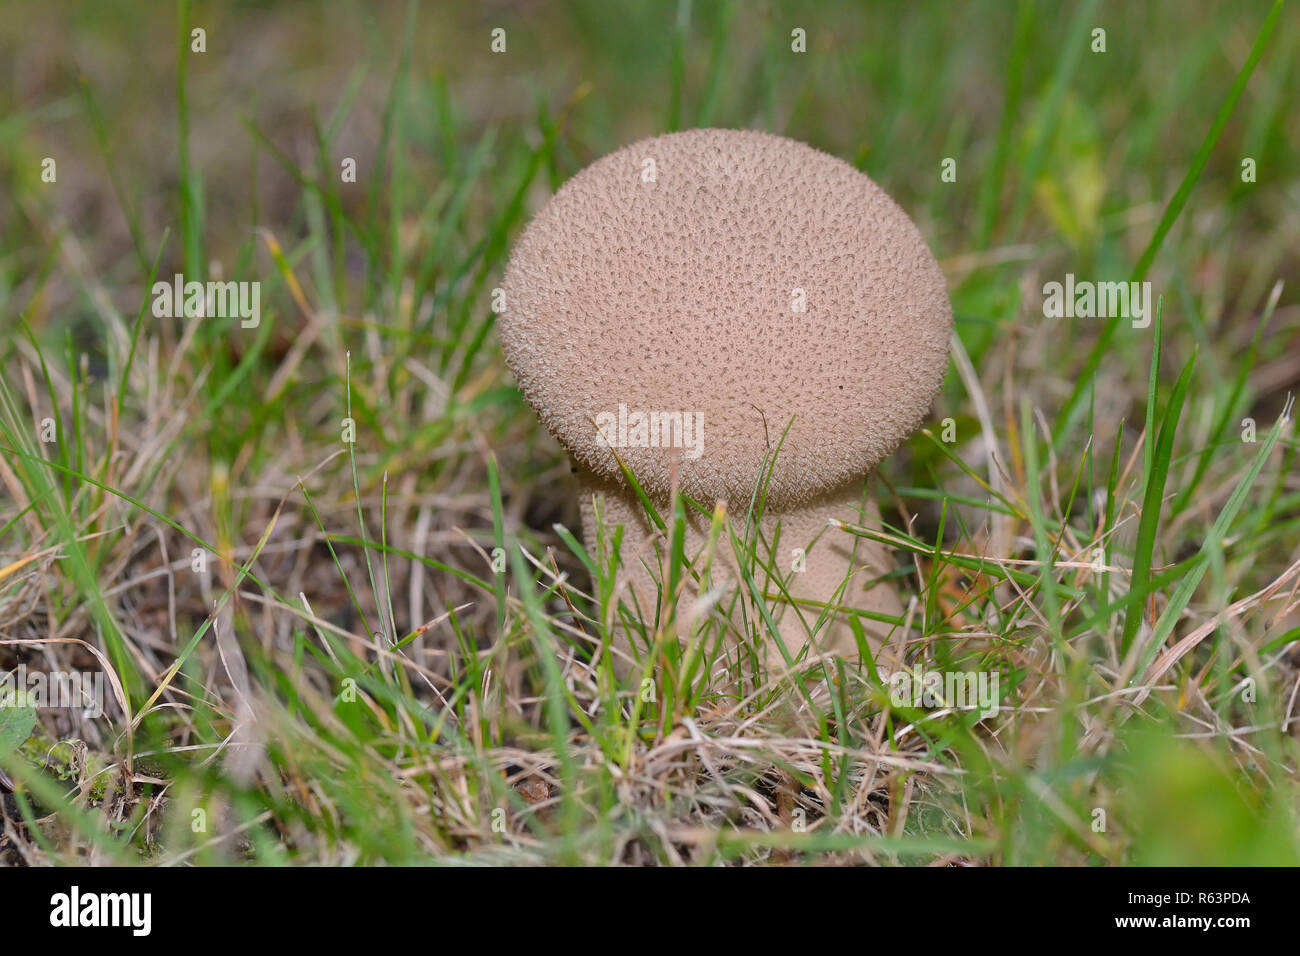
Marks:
<point>396,649</point>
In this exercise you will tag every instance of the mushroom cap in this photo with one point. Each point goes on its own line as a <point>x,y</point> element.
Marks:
<point>672,286</point>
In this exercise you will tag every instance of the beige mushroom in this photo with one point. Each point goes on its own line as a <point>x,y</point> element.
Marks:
<point>744,282</point>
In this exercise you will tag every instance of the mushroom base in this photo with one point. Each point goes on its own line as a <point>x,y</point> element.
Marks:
<point>828,556</point>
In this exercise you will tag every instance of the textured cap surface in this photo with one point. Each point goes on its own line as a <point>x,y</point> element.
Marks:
<point>667,277</point>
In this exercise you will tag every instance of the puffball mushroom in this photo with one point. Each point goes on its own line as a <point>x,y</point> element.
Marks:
<point>746,282</point>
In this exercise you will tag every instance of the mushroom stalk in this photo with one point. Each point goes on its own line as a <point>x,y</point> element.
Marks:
<point>819,564</point>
